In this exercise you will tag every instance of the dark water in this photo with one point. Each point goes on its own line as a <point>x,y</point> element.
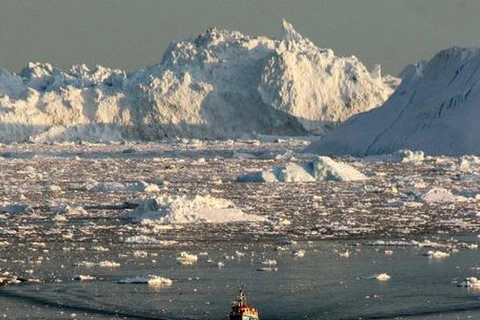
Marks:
<point>321,285</point>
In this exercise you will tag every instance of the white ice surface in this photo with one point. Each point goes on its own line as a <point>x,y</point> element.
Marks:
<point>219,84</point>
<point>435,110</point>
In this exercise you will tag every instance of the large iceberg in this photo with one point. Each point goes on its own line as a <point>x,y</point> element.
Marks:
<point>219,84</point>
<point>435,110</point>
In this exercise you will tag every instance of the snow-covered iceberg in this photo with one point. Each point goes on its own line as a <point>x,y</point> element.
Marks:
<point>435,110</point>
<point>219,84</point>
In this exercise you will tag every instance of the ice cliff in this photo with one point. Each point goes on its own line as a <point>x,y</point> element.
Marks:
<point>220,84</point>
<point>435,109</point>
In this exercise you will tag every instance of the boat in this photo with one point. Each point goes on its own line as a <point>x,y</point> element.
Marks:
<point>241,310</point>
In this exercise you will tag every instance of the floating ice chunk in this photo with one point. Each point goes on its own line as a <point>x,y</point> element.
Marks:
<point>59,218</point>
<point>53,188</point>
<point>470,282</point>
<point>345,254</point>
<point>290,173</point>
<point>159,281</point>
<point>299,254</point>
<point>320,169</point>
<point>111,187</point>
<point>239,254</point>
<point>325,168</point>
<point>188,209</point>
<point>284,222</point>
<point>468,163</point>
<point>151,280</point>
<point>109,264</point>
<point>436,254</point>
<point>4,243</point>
<point>409,156</point>
<point>268,269</point>
<point>270,262</point>
<point>383,277</point>
<point>187,259</point>
<point>4,280</point>
<point>141,240</point>
<point>437,195</point>
<point>100,249</point>
<point>86,264</point>
<point>258,176</point>
<point>469,246</point>
<point>75,211</point>
<point>81,277</point>
<point>140,254</point>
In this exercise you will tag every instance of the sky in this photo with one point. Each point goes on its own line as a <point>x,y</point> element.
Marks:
<point>131,34</point>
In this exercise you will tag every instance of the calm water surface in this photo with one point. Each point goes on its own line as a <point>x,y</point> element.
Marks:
<point>321,285</point>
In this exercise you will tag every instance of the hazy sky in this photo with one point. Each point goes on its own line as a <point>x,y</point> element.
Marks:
<point>130,34</point>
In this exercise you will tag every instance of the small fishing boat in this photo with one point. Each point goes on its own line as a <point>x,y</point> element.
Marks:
<point>241,310</point>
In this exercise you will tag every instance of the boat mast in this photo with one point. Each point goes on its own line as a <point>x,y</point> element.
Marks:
<point>241,298</point>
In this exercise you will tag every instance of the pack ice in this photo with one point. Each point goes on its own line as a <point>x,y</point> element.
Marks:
<point>219,84</point>
<point>435,110</point>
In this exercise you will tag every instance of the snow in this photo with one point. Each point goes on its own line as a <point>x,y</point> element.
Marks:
<point>219,84</point>
<point>434,110</point>
<point>190,209</point>
<point>320,169</point>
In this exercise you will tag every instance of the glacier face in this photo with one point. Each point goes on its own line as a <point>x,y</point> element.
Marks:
<point>435,110</point>
<point>218,85</point>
